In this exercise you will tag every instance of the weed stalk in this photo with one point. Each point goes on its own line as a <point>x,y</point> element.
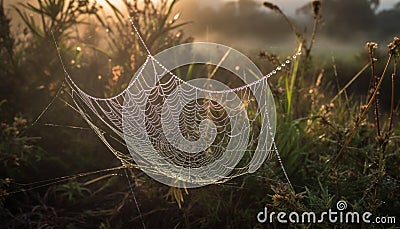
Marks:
<point>394,51</point>
<point>392,96</point>
<point>276,9</point>
<point>316,8</point>
<point>371,47</point>
<point>364,111</point>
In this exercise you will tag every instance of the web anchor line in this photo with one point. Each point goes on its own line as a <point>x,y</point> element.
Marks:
<point>138,118</point>
<point>264,78</point>
<point>104,107</point>
<point>188,134</point>
<point>134,198</point>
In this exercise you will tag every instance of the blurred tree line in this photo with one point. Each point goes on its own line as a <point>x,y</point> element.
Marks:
<point>244,20</point>
<point>358,20</point>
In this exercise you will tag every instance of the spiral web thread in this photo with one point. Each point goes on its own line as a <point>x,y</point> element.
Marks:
<point>158,101</point>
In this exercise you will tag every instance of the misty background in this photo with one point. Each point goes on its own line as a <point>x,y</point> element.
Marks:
<point>346,25</point>
<point>248,25</point>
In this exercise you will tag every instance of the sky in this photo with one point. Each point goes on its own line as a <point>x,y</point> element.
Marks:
<point>290,6</point>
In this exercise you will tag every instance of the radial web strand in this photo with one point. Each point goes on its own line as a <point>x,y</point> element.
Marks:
<point>188,133</point>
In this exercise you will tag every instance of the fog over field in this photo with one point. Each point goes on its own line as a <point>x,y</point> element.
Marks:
<point>345,27</point>
<point>247,24</point>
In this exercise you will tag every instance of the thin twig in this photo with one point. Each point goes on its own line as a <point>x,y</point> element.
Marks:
<point>315,5</point>
<point>371,46</point>
<point>275,8</point>
<point>392,100</point>
<point>350,82</point>
<point>358,123</point>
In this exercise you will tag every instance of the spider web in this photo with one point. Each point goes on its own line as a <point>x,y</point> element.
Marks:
<point>188,133</point>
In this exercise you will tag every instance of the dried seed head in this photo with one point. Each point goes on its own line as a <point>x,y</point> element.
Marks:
<point>272,6</point>
<point>394,46</point>
<point>277,199</point>
<point>371,46</point>
<point>316,7</point>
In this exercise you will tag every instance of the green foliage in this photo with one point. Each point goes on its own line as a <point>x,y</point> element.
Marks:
<point>7,61</point>
<point>58,16</point>
<point>18,152</point>
<point>73,191</point>
<point>15,149</point>
<point>159,29</point>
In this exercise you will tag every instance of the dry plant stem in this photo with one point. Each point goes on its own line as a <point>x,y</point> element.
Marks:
<point>275,8</point>
<point>316,8</point>
<point>292,27</point>
<point>392,100</point>
<point>335,72</point>
<point>374,81</point>
<point>313,35</point>
<point>364,111</point>
<point>350,82</point>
